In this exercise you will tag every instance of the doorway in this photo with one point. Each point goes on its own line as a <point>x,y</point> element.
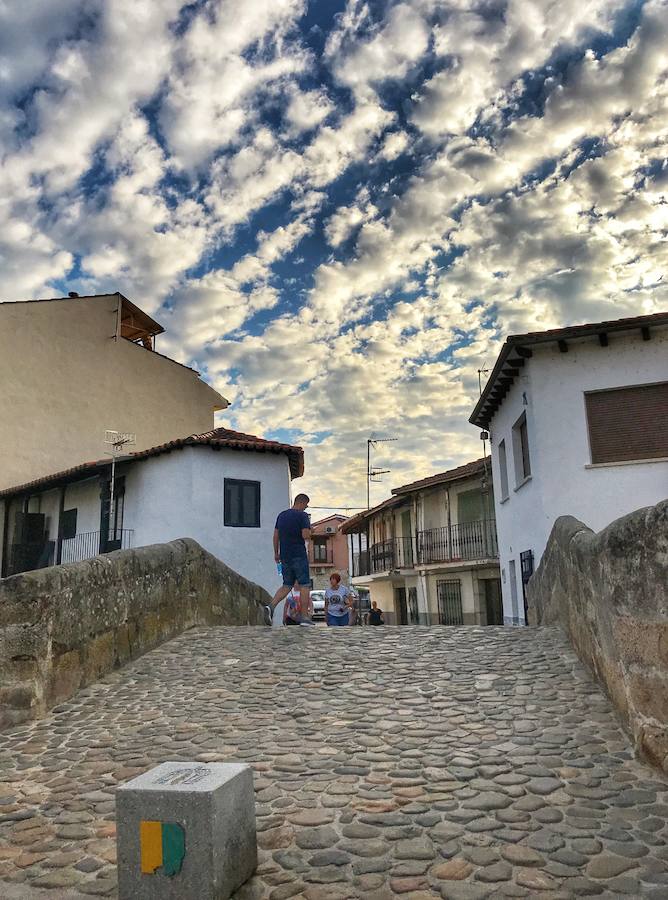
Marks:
<point>493,601</point>
<point>401,605</point>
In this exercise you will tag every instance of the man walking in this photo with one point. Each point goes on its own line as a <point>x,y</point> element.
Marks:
<point>293,529</point>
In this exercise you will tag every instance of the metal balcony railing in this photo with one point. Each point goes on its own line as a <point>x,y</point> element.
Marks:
<point>87,544</point>
<point>469,541</point>
<point>385,556</point>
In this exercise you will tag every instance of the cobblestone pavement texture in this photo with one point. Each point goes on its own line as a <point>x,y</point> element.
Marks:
<point>425,762</point>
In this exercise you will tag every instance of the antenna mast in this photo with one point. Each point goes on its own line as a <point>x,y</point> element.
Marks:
<point>373,474</point>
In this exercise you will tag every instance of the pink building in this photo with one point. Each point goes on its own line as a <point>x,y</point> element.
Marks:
<point>328,551</point>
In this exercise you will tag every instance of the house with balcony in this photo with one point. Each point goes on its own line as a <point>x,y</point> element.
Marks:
<point>328,551</point>
<point>222,488</point>
<point>577,419</point>
<point>428,554</point>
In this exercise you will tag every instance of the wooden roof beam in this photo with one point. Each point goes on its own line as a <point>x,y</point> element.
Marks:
<point>563,346</point>
<point>524,352</point>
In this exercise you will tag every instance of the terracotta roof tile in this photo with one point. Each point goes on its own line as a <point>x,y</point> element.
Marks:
<point>476,467</point>
<point>487,405</point>
<point>466,471</point>
<point>217,438</point>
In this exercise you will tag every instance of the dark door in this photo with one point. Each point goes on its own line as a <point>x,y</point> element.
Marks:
<point>111,520</point>
<point>406,548</point>
<point>28,549</point>
<point>493,601</point>
<point>400,603</point>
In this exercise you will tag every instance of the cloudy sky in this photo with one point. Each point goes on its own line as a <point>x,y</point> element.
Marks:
<point>339,209</point>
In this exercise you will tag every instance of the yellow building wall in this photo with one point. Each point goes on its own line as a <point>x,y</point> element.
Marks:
<point>65,379</point>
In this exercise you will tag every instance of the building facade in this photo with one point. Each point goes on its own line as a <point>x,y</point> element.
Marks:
<point>224,489</point>
<point>428,554</point>
<point>578,424</point>
<point>75,367</point>
<point>328,551</point>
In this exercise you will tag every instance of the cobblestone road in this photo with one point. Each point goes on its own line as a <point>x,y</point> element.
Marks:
<point>425,762</point>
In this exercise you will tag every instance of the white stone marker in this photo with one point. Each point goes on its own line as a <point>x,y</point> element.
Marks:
<point>186,831</point>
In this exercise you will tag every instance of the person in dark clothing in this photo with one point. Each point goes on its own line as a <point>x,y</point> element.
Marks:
<point>293,529</point>
<point>376,615</point>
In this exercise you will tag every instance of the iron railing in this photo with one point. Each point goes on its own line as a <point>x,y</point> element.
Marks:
<point>385,556</point>
<point>468,541</point>
<point>88,543</point>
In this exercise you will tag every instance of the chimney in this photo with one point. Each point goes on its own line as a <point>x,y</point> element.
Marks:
<point>72,294</point>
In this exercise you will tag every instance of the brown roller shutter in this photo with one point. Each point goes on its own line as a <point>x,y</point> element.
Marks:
<point>628,423</point>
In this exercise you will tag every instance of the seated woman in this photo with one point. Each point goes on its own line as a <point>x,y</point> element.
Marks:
<point>338,602</point>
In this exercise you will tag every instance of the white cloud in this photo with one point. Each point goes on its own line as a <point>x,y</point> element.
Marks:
<point>231,52</point>
<point>241,148</point>
<point>389,53</point>
<point>348,218</point>
<point>307,109</point>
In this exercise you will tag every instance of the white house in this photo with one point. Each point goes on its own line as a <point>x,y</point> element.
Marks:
<point>428,554</point>
<point>578,424</point>
<point>222,488</point>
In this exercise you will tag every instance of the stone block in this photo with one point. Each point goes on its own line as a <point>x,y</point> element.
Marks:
<point>186,831</point>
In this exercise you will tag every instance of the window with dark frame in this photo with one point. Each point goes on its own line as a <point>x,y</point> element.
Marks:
<point>503,469</point>
<point>319,549</point>
<point>626,424</point>
<point>241,503</point>
<point>69,524</point>
<point>522,458</point>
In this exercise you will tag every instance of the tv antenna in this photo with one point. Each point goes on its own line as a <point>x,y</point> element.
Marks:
<point>116,441</point>
<point>372,473</point>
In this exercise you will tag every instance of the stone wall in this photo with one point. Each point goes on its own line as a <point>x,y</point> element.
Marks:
<point>63,627</point>
<point>610,593</point>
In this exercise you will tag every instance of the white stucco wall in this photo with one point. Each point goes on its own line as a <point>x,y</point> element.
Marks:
<point>180,494</point>
<point>550,389</point>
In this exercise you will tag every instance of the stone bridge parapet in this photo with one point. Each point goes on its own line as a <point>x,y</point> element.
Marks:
<point>63,627</point>
<point>609,591</point>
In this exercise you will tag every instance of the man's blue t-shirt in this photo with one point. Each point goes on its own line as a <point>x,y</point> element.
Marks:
<point>289,524</point>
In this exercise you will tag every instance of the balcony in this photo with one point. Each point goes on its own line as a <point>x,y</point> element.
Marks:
<point>384,557</point>
<point>87,544</point>
<point>28,556</point>
<point>467,542</point>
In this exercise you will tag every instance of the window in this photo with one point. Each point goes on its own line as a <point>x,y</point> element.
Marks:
<point>241,503</point>
<point>503,470</point>
<point>449,595</point>
<point>320,550</point>
<point>628,423</point>
<point>521,450</point>
<point>68,524</point>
